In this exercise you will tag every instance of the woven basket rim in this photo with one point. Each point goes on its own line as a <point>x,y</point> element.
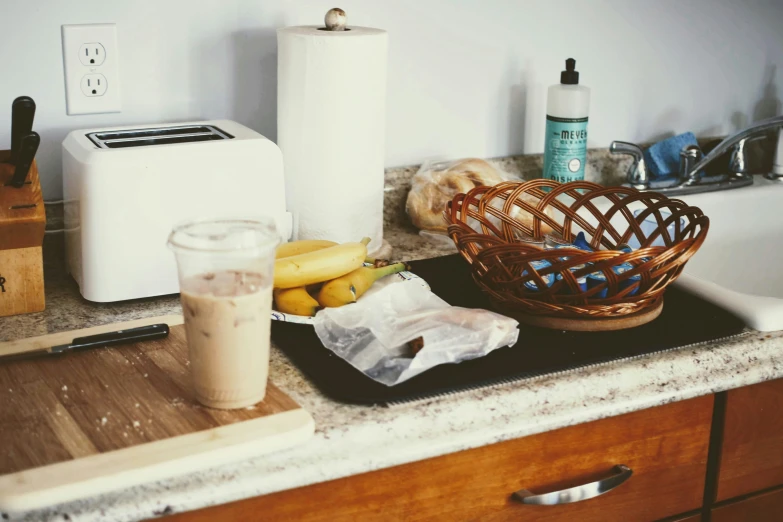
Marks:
<point>492,251</point>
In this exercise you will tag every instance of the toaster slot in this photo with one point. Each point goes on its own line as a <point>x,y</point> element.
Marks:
<point>157,136</point>
<point>162,140</point>
<point>143,133</point>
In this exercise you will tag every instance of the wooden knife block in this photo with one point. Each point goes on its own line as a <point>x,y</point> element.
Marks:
<point>22,226</point>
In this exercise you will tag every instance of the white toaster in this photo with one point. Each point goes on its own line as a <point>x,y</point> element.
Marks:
<point>126,187</point>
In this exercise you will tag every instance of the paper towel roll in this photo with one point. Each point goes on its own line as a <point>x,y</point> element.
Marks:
<point>331,119</point>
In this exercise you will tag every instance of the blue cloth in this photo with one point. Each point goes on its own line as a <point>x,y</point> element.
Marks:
<point>663,158</point>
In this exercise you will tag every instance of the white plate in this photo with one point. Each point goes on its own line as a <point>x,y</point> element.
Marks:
<point>390,279</point>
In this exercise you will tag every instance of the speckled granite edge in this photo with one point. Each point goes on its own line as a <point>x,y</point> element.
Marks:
<point>356,439</point>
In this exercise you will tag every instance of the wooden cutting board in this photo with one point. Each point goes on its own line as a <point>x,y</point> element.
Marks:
<point>89,422</point>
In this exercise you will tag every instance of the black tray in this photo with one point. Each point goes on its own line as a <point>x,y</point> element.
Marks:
<point>686,319</point>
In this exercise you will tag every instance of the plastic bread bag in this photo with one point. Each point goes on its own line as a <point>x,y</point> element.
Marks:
<point>379,335</point>
<point>437,182</point>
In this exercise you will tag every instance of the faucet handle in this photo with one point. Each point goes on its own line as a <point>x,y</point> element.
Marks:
<point>690,155</point>
<point>738,165</point>
<point>638,176</point>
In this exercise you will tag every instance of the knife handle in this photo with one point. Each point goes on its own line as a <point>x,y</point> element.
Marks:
<point>28,146</point>
<point>132,335</point>
<point>22,114</point>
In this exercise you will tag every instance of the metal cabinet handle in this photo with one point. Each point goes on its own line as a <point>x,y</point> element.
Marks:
<point>577,493</point>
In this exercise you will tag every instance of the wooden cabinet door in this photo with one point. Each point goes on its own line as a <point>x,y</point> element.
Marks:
<point>764,507</point>
<point>666,447</point>
<point>752,451</point>
<point>691,518</point>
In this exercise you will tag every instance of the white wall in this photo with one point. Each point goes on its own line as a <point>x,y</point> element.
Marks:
<point>466,77</point>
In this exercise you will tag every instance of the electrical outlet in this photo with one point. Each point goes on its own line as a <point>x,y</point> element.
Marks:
<point>91,65</point>
<point>94,85</point>
<point>92,54</point>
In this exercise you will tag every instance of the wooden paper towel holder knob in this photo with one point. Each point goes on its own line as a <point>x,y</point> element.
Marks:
<point>22,226</point>
<point>335,20</point>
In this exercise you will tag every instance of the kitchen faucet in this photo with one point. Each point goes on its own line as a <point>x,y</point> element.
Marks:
<point>691,180</point>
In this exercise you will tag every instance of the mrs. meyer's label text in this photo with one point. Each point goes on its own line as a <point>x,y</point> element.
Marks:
<point>566,149</point>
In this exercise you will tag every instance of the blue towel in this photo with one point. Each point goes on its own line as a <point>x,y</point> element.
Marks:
<point>663,158</point>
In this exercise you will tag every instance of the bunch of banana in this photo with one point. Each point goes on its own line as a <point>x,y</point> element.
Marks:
<point>319,264</point>
<point>314,274</point>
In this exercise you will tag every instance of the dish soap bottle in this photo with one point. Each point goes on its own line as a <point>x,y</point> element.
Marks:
<point>565,144</point>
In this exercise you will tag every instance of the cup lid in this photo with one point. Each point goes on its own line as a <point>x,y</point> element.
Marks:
<point>225,236</point>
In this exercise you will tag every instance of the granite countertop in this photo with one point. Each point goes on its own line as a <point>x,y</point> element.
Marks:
<point>353,439</point>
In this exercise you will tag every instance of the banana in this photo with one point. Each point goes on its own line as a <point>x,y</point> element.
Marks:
<point>350,287</point>
<point>302,247</point>
<point>295,301</point>
<point>320,265</point>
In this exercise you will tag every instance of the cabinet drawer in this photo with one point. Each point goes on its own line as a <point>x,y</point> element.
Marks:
<point>764,507</point>
<point>666,447</point>
<point>752,451</point>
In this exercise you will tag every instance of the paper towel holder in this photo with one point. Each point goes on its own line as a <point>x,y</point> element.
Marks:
<point>334,20</point>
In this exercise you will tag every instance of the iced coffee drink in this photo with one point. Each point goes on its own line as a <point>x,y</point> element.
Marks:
<point>225,275</point>
<point>227,325</point>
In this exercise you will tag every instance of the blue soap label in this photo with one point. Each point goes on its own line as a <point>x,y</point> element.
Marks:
<point>565,149</point>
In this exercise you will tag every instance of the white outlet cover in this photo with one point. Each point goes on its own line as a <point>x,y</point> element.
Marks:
<point>90,53</point>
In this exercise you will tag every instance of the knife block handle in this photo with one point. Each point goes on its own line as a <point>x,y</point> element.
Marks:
<point>22,226</point>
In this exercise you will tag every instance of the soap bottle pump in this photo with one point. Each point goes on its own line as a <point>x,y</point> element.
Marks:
<point>565,144</point>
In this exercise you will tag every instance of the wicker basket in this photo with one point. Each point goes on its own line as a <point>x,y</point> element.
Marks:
<point>502,266</point>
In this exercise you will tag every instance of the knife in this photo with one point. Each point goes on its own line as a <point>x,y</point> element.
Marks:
<point>28,146</point>
<point>22,114</point>
<point>104,340</point>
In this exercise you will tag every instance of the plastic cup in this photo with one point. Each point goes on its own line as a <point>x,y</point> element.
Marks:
<point>226,272</point>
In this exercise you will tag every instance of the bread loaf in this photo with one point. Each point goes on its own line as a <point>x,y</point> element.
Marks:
<point>432,190</point>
